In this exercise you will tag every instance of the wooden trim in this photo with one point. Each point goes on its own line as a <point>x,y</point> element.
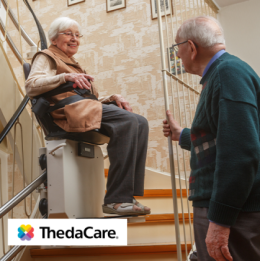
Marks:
<point>166,218</point>
<point>161,193</point>
<point>106,172</point>
<point>212,5</point>
<point>106,251</point>
<point>162,218</point>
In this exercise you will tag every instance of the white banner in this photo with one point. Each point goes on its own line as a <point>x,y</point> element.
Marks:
<point>67,232</point>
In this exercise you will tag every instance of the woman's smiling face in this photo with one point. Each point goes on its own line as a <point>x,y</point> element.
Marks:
<point>68,44</point>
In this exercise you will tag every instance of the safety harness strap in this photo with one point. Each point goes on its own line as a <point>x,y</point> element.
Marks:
<point>66,101</point>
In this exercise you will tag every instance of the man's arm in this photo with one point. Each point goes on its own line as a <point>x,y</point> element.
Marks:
<point>172,128</point>
<point>237,160</point>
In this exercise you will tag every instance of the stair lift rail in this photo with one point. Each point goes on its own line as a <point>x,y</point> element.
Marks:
<point>183,103</point>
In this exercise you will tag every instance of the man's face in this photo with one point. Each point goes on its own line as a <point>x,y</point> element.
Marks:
<point>184,54</point>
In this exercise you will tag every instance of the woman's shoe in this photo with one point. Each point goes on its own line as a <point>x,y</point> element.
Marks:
<point>145,209</point>
<point>123,209</point>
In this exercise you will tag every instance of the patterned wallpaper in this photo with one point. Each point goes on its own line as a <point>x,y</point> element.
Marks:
<point>120,49</point>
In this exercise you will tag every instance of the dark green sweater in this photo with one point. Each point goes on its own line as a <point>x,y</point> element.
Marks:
<point>224,142</point>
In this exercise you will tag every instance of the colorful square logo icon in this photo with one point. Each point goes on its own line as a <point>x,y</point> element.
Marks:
<point>25,232</point>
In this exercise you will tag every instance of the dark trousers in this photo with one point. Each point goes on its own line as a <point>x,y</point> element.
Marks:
<point>127,151</point>
<point>244,239</point>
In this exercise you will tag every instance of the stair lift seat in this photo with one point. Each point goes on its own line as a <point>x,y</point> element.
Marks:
<point>75,164</point>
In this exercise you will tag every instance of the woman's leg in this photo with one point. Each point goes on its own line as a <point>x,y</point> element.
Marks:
<point>123,129</point>
<point>143,132</point>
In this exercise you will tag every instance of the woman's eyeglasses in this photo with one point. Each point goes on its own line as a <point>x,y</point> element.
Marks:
<point>70,34</point>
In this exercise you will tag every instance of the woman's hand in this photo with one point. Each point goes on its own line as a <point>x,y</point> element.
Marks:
<point>80,79</point>
<point>121,102</point>
<point>172,128</point>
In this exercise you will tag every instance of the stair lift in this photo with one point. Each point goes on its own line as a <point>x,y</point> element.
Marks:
<point>74,162</point>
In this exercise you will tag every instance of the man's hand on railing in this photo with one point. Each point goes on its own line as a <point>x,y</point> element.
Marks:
<point>121,102</point>
<point>171,128</point>
<point>217,242</point>
<point>80,79</point>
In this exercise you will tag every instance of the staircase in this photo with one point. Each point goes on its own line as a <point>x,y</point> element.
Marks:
<point>153,239</point>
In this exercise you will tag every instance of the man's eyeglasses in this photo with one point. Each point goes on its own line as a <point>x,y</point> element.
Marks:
<point>175,46</point>
<point>70,34</point>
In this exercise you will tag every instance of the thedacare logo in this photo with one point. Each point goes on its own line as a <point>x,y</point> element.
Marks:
<point>25,232</point>
<point>67,232</point>
<point>88,232</point>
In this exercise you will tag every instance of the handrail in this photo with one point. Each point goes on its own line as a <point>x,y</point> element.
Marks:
<point>14,250</point>
<point>15,21</point>
<point>10,42</point>
<point>18,55</point>
<point>12,253</point>
<point>22,194</point>
<point>17,113</point>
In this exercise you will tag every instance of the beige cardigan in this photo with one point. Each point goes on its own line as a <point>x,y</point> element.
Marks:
<point>47,73</point>
<point>43,77</point>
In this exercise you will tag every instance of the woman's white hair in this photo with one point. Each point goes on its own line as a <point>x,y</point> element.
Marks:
<point>61,24</point>
<point>206,31</point>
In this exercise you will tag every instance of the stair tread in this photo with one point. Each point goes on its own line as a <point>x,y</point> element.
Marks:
<point>152,193</point>
<point>161,193</point>
<point>108,250</point>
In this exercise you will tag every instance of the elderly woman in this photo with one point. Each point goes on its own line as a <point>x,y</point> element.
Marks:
<point>128,131</point>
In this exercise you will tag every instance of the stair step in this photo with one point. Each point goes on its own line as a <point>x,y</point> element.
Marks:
<point>157,232</point>
<point>155,180</point>
<point>107,251</point>
<point>161,193</point>
<point>162,218</point>
<point>165,205</point>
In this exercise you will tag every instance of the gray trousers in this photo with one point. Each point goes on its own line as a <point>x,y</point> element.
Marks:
<point>244,239</point>
<point>127,151</point>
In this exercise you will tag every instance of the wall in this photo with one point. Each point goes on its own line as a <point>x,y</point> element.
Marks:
<point>120,49</point>
<point>241,26</point>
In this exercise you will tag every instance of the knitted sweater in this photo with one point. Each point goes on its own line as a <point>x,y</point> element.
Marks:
<point>224,142</point>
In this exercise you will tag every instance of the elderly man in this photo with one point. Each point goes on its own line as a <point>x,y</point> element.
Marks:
<point>224,145</point>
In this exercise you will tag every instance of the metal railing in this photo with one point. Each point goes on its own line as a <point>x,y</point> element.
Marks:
<point>10,42</point>
<point>182,100</point>
<point>14,202</point>
<point>43,177</point>
<point>16,23</point>
<point>23,194</point>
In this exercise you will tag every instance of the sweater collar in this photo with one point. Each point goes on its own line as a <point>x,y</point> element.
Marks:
<point>212,66</point>
<point>213,59</point>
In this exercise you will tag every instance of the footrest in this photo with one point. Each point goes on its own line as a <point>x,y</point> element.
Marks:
<point>130,219</point>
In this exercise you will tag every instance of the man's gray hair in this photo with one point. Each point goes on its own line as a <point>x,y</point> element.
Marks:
<point>61,24</point>
<point>206,31</point>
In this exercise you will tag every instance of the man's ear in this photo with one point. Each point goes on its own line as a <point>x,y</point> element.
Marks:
<point>193,50</point>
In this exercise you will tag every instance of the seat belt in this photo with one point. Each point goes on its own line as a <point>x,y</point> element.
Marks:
<point>66,101</point>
